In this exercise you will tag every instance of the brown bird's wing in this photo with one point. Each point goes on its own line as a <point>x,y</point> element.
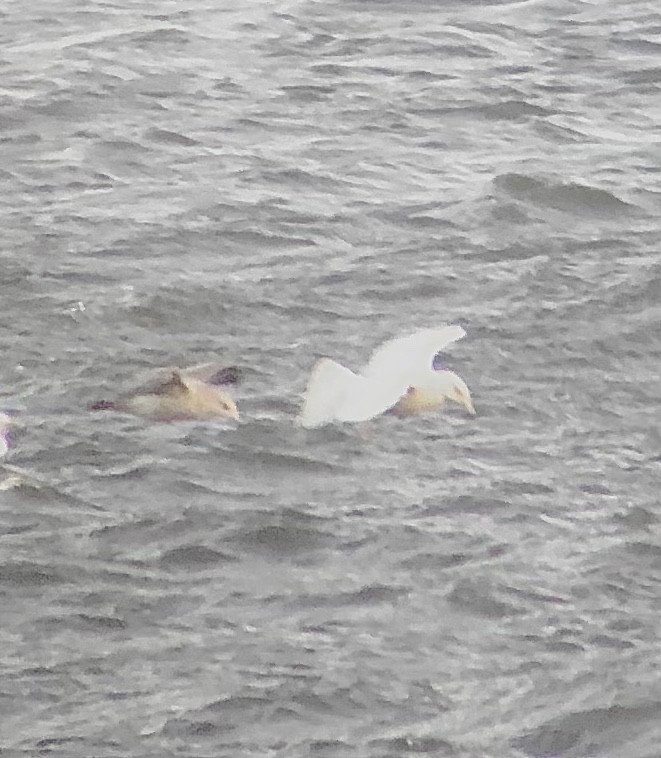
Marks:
<point>214,373</point>
<point>167,383</point>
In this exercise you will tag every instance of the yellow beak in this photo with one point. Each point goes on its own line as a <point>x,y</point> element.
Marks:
<point>462,397</point>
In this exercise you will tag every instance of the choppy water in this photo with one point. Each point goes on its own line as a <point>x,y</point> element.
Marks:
<point>183,181</point>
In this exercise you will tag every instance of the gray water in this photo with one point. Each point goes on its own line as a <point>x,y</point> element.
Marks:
<point>186,181</point>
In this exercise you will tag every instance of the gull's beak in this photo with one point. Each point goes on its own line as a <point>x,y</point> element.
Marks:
<point>461,395</point>
<point>468,403</point>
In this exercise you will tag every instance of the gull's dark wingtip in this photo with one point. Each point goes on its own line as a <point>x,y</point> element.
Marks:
<point>226,375</point>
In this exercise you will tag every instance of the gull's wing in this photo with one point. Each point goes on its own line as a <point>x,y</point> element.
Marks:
<point>328,387</point>
<point>214,373</point>
<point>334,393</point>
<point>408,360</point>
<point>164,382</point>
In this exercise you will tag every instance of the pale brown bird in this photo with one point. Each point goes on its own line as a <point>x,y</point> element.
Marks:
<point>198,393</point>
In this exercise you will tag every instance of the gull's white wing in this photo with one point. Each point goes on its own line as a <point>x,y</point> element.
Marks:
<point>334,393</point>
<point>408,360</point>
<point>328,387</point>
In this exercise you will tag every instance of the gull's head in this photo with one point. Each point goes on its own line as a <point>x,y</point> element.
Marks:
<point>203,401</point>
<point>453,388</point>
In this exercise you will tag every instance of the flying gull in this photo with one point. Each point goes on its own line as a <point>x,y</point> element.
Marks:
<point>198,393</point>
<point>403,377</point>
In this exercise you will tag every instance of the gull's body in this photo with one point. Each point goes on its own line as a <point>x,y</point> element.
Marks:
<point>193,394</point>
<point>400,378</point>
